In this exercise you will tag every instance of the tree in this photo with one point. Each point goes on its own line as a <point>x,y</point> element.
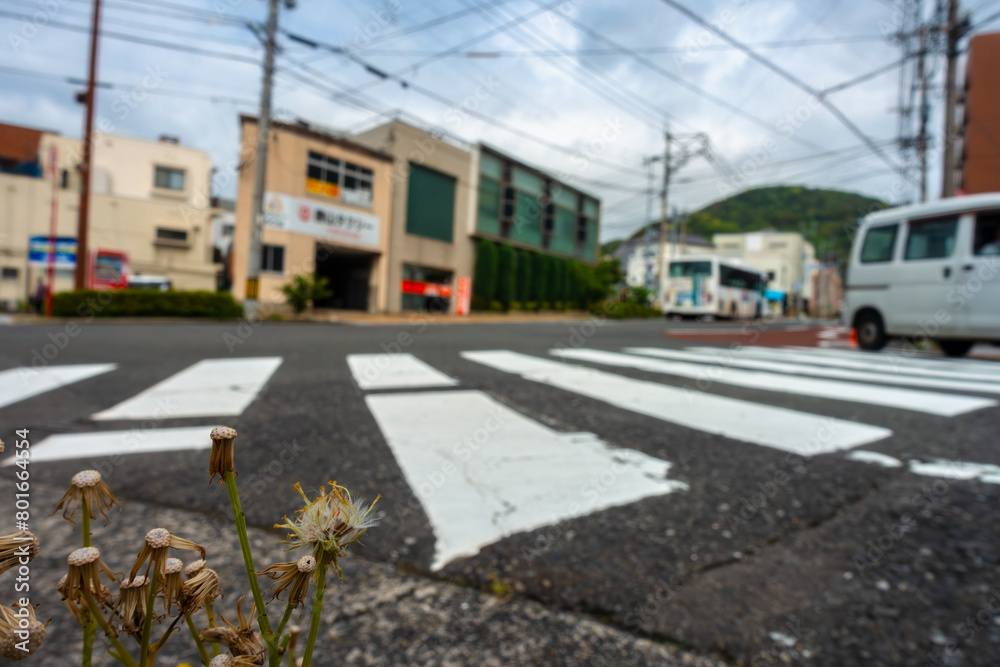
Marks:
<point>524,285</point>
<point>540,282</point>
<point>304,289</point>
<point>484,283</point>
<point>505,276</point>
<point>558,279</point>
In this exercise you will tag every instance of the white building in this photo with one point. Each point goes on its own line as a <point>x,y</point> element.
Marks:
<point>786,256</point>
<point>638,256</point>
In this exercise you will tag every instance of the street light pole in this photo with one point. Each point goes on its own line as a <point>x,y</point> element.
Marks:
<point>260,171</point>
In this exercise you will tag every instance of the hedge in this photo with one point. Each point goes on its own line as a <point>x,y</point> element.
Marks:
<point>145,303</point>
<point>484,281</point>
<point>522,285</point>
<point>505,276</point>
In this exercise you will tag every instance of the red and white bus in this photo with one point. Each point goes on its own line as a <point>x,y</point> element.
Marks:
<point>700,285</point>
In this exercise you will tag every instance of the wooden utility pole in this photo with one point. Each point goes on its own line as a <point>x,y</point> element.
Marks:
<point>662,247</point>
<point>924,111</point>
<point>260,173</point>
<point>83,220</point>
<point>953,34</point>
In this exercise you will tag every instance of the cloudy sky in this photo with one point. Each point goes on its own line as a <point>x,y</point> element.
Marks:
<point>583,88</point>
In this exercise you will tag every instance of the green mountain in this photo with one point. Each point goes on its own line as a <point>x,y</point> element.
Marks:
<point>824,217</point>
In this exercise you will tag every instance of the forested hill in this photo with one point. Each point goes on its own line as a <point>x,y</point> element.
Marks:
<point>825,217</point>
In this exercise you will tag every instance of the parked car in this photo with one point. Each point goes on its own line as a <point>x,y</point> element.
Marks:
<point>928,271</point>
<point>161,283</point>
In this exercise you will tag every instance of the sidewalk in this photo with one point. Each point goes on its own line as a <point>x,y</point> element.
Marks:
<point>378,616</point>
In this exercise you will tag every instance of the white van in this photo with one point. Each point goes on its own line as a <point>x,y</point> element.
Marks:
<point>927,271</point>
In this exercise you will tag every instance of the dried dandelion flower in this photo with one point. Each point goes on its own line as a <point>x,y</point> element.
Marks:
<point>226,660</point>
<point>85,567</point>
<point>18,548</point>
<point>158,541</point>
<point>173,580</point>
<point>82,613</point>
<point>200,590</point>
<point>294,576</point>
<point>21,634</point>
<point>131,607</point>
<point>241,640</point>
<point>330,523</point>
<point>194,568</point>
<point>87,485</point>
<point>1,446</point>
<point>222,452</point>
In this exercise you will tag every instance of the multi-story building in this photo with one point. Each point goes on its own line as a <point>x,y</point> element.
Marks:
<point>327,206</point>
<point>430,248</point>
<point>638,256</point>
<point>149,202</point>
<point>785,256</point>
<point>978,152</point>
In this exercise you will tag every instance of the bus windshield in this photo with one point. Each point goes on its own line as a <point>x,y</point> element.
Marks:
<point>690,269</point>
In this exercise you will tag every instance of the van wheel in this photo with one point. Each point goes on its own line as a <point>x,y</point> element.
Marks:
<point>871,331</point>
<point>955,348</point>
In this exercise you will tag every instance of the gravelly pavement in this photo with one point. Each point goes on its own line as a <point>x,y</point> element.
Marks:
<point>793,579</point>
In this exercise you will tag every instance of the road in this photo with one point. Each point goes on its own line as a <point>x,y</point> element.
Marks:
<point>724,490</point>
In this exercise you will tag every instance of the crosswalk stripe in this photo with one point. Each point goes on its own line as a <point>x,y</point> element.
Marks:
<point>18,384</point>
<point>781,428</point>
<point>727,358</point>
<point>395,371</point>
<point>947,405</point>
<point>882,362</point>
<point>113,443</point>
<point>896,358</point>
<point>209,388</point>
<point>484,471</point>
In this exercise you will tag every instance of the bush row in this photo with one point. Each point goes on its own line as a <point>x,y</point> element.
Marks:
<point>145,303</point>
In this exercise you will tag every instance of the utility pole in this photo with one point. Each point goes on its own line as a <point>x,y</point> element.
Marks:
<point>662,248</point>
<point>260,173</point>
<point>953,34</point>
<point>924,111</point>
<point>650,270</point>
<point>83,220</point>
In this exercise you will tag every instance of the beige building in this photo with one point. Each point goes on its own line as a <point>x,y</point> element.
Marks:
<point>149,200</point>
<point>327,207</point>
<point>430,246</point>
<point>785,255</point>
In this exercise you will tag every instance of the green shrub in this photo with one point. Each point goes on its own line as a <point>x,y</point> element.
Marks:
<point>523,287</point>
<point>145,303</point>
<point>484,282</point>
<point>620,310</point>
<point>540,280</point>
<point>303,289</point>
<point>515,305</point>
<point>505,275</point>
<point>496,306</point>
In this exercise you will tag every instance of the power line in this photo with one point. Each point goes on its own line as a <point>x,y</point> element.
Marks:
<point>798,83</point>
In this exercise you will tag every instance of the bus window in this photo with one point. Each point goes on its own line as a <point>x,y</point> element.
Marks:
<point>690,269</point>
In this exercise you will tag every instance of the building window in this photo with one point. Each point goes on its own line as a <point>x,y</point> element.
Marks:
<point>337,179</point>
<point>164,234</point>
<point>588,229</point>
<point>529,189</point>
<point>64,179</point>
<point>490,176</point>
<point>430,204</point>
<point>272,258</point>
<point>9,273</point>
<point>166,178</point>
<point>227,230</point>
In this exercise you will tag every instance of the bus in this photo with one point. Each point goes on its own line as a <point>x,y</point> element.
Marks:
<point>723,287</point>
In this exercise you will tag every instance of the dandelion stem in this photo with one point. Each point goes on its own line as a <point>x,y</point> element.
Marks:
<point>123,655</point>
<point>293,639</point>
<point>284,619</point>
<point>210,613</point>
<point>147,623</point>
<point>317,608</point>
<point>202,651</point>
<point>241,529</point>
<point>90,629</point>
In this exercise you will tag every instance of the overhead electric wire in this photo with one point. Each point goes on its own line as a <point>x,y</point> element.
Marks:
<point>870,75</point>
<point>791,78</point>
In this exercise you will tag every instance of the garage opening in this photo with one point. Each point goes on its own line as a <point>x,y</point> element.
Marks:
<point>348,273</point>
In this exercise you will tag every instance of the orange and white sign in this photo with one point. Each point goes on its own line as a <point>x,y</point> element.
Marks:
<point>463,301</point>
<point>427,289</point>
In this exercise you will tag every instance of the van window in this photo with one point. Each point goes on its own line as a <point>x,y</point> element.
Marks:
<point>931,239</point>
<point>987,238</point>
<point>879,242</point>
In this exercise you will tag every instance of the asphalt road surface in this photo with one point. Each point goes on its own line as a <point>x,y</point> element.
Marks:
<point>740,495</point>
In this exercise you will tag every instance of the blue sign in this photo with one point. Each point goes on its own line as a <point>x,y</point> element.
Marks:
<point>39,249</point>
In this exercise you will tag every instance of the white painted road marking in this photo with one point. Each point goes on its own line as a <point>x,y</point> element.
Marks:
<point>395,371</point>
<point>896,358</point>
<point>781,428</point>
<point>17,384</point>
<point>115,443</point>
<point>901,367</point>
<point>876,458</point>
<point>947,405</point>
<point>984,472</point>
<point>736,359</point>
<point>209,388</point>
<point>484,471</point>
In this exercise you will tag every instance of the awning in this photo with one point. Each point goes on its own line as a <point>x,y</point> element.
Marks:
<point>774,295</point>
